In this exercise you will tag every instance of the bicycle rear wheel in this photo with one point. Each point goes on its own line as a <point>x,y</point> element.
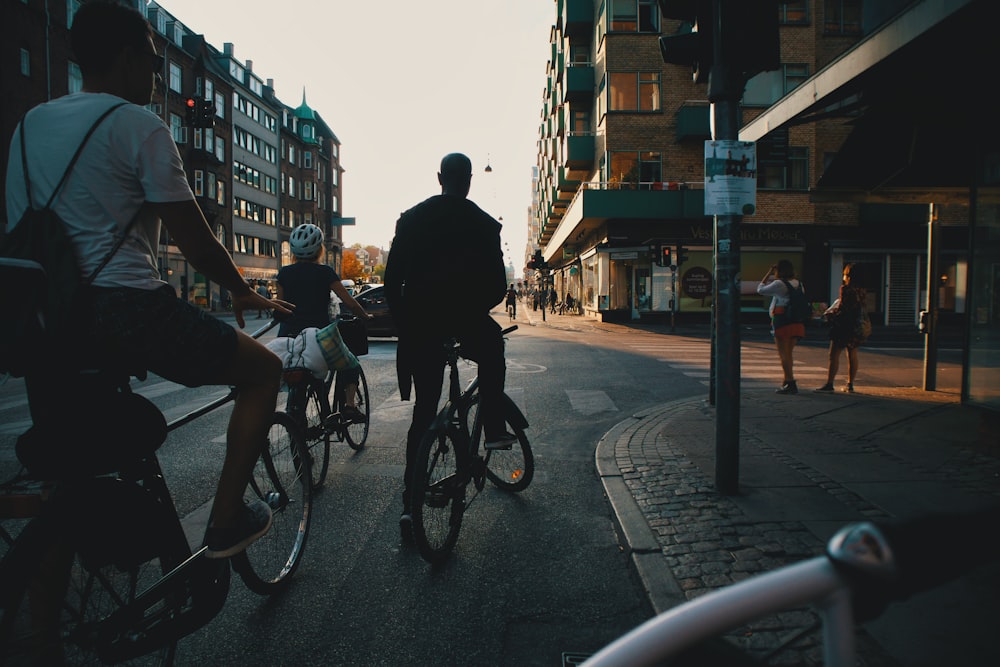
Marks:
<point>437,499</point>
<point>316,434</point>
<point>508,469</point>
<point>57,590</point>
<point>357,432</point>
<point>281,478</point>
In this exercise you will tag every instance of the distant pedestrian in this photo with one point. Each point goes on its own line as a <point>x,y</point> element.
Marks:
<point>778,283</point>
<point>847,316</point>
<point>266,293</point>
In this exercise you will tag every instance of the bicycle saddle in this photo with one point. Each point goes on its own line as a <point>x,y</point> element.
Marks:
<point>92,434</point>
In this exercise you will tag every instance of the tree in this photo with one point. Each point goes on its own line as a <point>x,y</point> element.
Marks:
<point>351,268</point>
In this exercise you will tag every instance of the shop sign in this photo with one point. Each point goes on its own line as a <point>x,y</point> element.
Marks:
<point>697,282</point>
<point>625,255</point>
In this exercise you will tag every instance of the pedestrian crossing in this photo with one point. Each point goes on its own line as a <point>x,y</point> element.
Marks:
<point>759,366</point>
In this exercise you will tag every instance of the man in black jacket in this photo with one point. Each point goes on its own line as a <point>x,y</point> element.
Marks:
<point>447,245</point>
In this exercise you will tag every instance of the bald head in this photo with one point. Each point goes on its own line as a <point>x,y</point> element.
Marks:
<point>455,176</point>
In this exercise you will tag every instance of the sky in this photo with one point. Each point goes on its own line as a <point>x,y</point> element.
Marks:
<point>402,84</point>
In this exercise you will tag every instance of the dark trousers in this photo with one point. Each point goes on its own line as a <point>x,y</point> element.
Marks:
<point>481,342</point>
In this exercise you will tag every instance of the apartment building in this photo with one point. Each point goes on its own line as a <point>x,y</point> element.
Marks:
<point>310,181</point>
<point>262,168</point>
<point>621,165</point>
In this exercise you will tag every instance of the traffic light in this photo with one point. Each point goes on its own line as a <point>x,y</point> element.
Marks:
<point>663,259</point>
<point>681,254</point>
<point>747,34</point>
<point>536,262</point>
<point>206,113</point>
<point>692,43</point>
<point>191,112</point>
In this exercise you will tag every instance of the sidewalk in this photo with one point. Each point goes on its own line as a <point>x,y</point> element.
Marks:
<point>808,464</point>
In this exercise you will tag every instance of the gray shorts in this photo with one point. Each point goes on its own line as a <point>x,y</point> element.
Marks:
<point>153,330</point>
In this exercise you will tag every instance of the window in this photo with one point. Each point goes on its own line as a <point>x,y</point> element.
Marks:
<point>178,33</point>
<point>75,78</point>
<point>72,7</point>
<point>220,195</point>
<point>307,190</point>
<point>25,62</point>
<point>209,90</point>
<point>174,77</point>
<point>220,149</point>
<point>199,183</point>
<point>632,169</point>
<point>220,105</point>
<point>581,122</point>
<point>307,159</point>
<point>197,137</point>
<point>768,87</point>
<point>635,15</point>
<point>211,185</point>
<point>634,91</point>
<point>842,17</point>
<point>793,12</point>
<point>780,166</point>
<point>177,129</point>
<point>291,154</point>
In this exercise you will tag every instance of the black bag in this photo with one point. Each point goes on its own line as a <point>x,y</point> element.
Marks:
<point>798,310</point>
<point>41,276</point>
<point>355,334</point>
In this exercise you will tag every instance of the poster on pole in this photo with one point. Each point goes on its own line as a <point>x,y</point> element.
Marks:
<point>730,177</point>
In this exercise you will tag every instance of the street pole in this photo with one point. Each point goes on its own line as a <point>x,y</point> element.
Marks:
<point>725,87</point>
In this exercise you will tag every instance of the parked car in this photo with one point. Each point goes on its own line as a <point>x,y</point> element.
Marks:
<point>373,301</point>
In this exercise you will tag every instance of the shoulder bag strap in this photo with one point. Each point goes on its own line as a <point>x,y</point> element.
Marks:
<point>27,185</point>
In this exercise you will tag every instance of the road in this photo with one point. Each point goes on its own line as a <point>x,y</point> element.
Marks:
<point>536,578</point>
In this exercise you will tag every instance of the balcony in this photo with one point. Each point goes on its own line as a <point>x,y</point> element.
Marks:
<point>579,152</point>
<point>694,121</point>
<point>577,17</point>
<point>579,84</point>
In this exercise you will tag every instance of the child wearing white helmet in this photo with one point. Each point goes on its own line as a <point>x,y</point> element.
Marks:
<point>307,283</point>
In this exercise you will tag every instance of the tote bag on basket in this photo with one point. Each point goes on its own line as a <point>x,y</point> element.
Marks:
<point>338,356</point>
<point>355,335</point>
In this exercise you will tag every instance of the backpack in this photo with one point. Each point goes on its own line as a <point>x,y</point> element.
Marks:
<point>41,277</point>
<point>798,310</point>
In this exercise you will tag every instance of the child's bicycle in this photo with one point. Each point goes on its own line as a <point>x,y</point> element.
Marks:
<point>317,405</point>
<point>98,566</point>
<point>448,460</point>
<point>866,567</point>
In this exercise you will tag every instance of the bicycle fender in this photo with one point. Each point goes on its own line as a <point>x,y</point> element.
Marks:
<point>513,413</point>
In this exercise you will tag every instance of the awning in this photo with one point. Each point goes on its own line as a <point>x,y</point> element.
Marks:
<point>917,92</point>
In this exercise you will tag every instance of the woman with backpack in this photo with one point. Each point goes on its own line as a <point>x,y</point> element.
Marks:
<point>787,323</point>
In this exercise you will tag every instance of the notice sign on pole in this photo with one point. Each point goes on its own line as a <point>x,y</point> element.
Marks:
<point>730,177</point>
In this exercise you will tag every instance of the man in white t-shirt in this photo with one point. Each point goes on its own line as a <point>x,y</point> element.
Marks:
<point>129,168</point>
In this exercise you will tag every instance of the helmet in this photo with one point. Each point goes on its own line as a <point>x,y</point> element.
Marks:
<point>306,241</point>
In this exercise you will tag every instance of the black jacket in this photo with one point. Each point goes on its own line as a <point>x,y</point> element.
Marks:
<point>445,269</point>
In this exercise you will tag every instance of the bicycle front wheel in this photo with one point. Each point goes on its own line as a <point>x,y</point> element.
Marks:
<point>356,432</point>
<point>508,469</point>
<point>282,480</point>
<point>316,434</point>
<point>437,496</point>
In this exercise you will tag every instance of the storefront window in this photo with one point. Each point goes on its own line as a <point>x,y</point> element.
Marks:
<point>984,320</point>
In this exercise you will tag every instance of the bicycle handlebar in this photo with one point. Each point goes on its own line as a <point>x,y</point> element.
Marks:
<point>508,330</point>
<point>873,563</point>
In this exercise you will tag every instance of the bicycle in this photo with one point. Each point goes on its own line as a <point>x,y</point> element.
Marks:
<point>866,567</point>
<point>317,406</point>
<point>448,459</point>
<point>102,569</point>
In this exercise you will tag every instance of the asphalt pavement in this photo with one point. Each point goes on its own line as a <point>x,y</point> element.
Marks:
<point>808,464</point>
